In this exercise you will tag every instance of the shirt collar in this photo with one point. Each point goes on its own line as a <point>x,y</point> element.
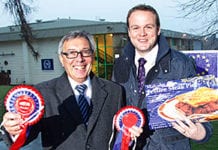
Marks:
<point>88,92</point>
<point>150,57</point>
<point>73,83</point>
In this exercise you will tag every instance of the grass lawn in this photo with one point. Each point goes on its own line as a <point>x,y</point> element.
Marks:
<point>210,145</point>
<point>3,92</point>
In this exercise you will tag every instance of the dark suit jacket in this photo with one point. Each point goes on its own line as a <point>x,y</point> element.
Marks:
<point>62,126</point>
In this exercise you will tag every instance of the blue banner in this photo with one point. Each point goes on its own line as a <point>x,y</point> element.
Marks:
<point>206,61</point>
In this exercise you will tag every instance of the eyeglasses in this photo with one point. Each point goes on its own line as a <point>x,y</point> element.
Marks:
<point>74,54</point>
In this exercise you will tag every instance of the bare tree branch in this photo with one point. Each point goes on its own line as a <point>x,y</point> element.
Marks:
<point>19,11</point>
<point>206,10</point>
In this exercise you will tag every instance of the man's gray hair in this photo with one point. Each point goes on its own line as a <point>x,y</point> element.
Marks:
<point>77,34</point>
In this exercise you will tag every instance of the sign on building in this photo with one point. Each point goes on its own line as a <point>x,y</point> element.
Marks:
<point>47,64</point>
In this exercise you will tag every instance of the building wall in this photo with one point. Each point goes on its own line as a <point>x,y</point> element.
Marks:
<point>12,53</point>
<point>197,45</point>
<point>47,49</point>
<point>26,69</point>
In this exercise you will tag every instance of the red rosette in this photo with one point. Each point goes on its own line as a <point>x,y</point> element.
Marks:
<point>128,117</point>
<point>26,101</point>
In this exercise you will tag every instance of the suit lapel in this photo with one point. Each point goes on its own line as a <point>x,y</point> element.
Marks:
<point>99,95</point>
<point>63,88</point>
<point>69,105</point>
<point>67,99</point>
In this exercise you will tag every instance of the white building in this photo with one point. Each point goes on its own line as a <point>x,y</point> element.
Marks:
<point>17,61</point>
<point>16,58</point>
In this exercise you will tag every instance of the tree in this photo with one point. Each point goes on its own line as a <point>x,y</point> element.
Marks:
<point>206,10</point>
<point>20,10</point>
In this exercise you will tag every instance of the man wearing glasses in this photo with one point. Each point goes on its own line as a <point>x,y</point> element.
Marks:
<point>79,107</point>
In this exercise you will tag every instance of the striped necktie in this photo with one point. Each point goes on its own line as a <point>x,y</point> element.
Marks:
<point>83,103</point>
<point>141,75</point>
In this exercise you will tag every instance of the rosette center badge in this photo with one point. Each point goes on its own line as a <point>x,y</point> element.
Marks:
<point>129,116</point>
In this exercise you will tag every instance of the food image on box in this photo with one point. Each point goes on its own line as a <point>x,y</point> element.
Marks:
<point>195,98</point>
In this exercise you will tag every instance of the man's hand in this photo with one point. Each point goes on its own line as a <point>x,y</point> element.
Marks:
<point>135,132</point>
<point>12,123</point>
<point>193,130</point>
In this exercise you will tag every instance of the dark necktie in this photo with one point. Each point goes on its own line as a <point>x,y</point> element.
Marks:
<point>83,103</point>
<point>141,74</point>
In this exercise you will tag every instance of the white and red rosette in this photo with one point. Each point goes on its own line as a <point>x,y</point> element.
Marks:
<point>126,118</point>
<point>29,103</point>
<point>26,101</point>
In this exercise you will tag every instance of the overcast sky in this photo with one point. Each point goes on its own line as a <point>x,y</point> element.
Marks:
<point>110,10</point>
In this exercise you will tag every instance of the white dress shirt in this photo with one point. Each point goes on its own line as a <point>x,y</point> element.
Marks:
<point>150,58</point>
<point>88,92</point>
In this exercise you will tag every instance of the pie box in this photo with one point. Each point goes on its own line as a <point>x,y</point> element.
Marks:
<point>161,101</point>
<point>206,61</point>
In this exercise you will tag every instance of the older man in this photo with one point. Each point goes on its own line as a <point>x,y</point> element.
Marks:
<point>79,107</point>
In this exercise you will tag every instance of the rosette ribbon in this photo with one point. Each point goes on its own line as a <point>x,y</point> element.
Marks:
<point>123,141</point>
<point>20,139</point>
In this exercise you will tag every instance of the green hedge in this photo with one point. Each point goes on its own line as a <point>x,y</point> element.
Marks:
<point>212,143</point>
<point>3,91</point>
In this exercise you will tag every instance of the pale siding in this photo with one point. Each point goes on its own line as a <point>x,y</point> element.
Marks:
<point>15,62</point>
<point>47,50</point>
<point>24,67</point>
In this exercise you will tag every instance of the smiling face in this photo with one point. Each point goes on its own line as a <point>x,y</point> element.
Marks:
<point>143,30</point>
<point>77,68</point>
